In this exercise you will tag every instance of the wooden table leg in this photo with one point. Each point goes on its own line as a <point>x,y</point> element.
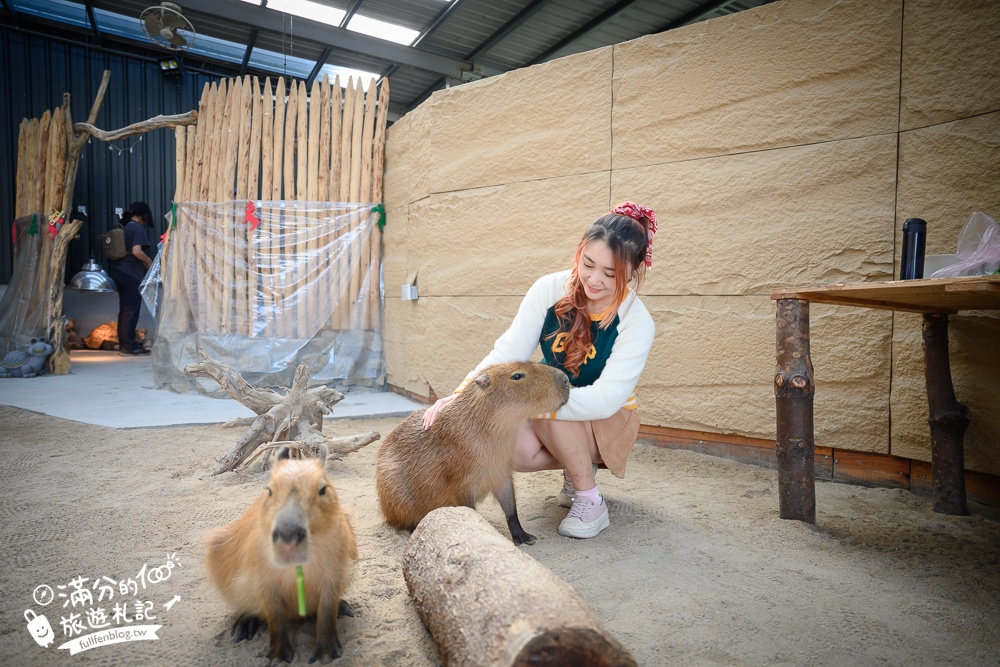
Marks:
<point>948,420</point>
<point>793,392</point>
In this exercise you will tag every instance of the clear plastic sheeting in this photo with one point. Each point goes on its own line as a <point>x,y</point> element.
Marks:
<point>263,286</point>
<point>152,284</point>
<point>978,250</point>
<point>23,313</point>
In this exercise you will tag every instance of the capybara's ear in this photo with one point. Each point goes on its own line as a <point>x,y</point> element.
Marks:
<point>483,380</point>
<point>324,451</point>
<point>283,453</point>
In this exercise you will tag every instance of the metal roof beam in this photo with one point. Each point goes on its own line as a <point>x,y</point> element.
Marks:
<point>606,16</point>
<point>696,14</point>
<point>341,38</point>
<point>251,42</point>
<point>9,6</point>
<point>351,11</point>
<point>437,21</point>
<point>93,21</point>
<point>492,41</point>
<point>512,25</point>
<point>323,57</point>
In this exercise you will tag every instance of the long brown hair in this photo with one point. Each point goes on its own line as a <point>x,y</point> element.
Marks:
<point>627,238</point>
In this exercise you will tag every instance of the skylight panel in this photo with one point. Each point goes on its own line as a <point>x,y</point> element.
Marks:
<point>307,9</point>
<point>382,29</point>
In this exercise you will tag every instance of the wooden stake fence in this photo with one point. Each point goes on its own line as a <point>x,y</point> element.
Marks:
<point>279,144</point>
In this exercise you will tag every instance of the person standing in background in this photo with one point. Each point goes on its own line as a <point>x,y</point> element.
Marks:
<point>128,272</point>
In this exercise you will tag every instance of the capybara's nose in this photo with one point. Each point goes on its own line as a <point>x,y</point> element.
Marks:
<point>289,534</point>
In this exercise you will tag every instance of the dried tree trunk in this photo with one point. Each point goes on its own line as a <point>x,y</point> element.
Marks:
<point>488,604</point>
<point>948,420</point>
<point>793,393</point>
<point>58,363</point>
<point>76,138</point>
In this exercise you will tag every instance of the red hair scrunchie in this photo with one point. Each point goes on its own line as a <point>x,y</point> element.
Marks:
<point>637,212</point>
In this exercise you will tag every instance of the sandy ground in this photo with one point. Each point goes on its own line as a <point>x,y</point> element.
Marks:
<point>696,568</point>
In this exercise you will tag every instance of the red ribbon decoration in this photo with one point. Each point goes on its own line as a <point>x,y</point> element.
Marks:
<point>248,216</point>
<point>13,233</point>
<point>638,212</point>
<point>55,221</point>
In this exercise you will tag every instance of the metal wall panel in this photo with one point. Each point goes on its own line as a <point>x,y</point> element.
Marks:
<point>35,71</point>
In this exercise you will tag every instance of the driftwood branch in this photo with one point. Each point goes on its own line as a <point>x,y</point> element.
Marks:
<point>155,123</point>
<point>294,417</point>
<point>336,447</point>
<point>258,400</point>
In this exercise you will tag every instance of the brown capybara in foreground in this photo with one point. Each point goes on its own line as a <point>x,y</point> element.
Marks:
<point>469,451</point>
<point>298,520</point>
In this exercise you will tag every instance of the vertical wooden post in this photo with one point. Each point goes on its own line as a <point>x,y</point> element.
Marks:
<point>288,229</point>
<point>302,294</point>
<point>240,237</point>
<point>948,420</point>
<point>793,392</point>
<point>378,166</point>
<point>252,295</point>
<point>322,282</point>
<point>342,319</point>
<point>275,231</point>
<point>310,260</point>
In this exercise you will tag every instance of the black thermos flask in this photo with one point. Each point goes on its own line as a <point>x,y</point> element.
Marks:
<point>911,264</point>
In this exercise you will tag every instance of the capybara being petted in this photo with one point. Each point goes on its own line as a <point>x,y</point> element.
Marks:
<point>469,451</point>
<point>297,522</point>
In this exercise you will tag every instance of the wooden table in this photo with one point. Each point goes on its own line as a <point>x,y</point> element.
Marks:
<point>793,382</point>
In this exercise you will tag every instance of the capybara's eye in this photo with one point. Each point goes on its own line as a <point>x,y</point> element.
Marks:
<point>322,490</point>
<point>517,376</point>
<point>269,491</point>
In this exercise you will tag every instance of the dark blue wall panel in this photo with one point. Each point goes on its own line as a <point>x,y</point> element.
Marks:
<point>35,71</point>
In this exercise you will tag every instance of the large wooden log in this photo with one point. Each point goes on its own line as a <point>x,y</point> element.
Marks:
<point>793,393</point>
<point>948,420</point>
<point>488,604</point>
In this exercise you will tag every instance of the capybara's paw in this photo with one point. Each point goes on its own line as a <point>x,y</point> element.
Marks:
<point>245,627</point>
<point>344,609</point>
<point>523,538</point>
<point>327,649</point>
<point>283,652</point>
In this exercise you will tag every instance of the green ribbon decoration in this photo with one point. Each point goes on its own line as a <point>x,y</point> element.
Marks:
<point>380,209</point>
<point>173,216</point>
<point>34,225</point>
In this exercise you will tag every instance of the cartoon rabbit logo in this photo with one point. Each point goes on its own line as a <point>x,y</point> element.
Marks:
<point>39,628</point>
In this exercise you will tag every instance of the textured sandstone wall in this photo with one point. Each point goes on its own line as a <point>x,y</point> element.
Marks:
<point>779,146</point>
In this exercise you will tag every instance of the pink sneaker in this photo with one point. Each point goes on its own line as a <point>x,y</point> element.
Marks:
<point>585,519</point>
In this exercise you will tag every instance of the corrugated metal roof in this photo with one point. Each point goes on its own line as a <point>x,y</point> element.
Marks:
<point>492,35</point>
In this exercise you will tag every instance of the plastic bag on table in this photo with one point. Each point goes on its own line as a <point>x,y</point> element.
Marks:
<point>978,249</point>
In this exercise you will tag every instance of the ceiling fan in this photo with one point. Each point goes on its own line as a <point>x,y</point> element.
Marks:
<point>167,27</point>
